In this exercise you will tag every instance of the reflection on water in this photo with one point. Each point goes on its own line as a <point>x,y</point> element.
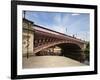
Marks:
<point>86,62</point>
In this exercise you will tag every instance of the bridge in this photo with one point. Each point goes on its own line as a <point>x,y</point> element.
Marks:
<point>37,40</point>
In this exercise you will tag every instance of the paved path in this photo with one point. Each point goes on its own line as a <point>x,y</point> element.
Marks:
<point>49,61</point>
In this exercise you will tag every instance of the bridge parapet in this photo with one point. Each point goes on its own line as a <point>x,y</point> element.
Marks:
<point>61,35</point>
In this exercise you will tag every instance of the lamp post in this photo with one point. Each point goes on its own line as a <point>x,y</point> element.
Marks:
<point>24,14</point>
<point>66,30</point>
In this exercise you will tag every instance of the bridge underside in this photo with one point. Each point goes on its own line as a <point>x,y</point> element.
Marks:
<point>66,49</point>
<point>72,51</point>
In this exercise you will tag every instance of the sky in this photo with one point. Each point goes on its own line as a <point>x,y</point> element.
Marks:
<point>77,24</point>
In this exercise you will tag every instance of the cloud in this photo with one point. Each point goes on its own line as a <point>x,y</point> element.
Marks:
<point>57,19</point>
<point>60,22</point>
<point>84,35</point>
<point>59,28</point>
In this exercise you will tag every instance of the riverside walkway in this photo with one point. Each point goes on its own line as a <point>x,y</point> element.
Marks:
<point>49,62</point>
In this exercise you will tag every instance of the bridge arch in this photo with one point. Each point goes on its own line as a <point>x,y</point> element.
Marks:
<point>70,50</point>
<point>44,46</point>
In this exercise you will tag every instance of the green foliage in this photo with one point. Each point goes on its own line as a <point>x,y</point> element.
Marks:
<point>87,51</point>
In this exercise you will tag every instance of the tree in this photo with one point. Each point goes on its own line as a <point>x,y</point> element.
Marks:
<point>87,51</point>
